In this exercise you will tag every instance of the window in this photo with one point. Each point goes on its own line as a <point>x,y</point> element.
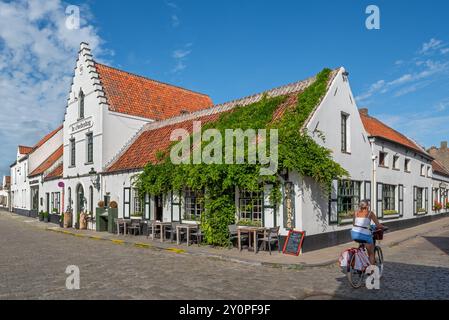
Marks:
<point>137,203</point>
<point>396,162</point>
<point>383,159</point>
<point>72,152</point>
<point>419,199</point>
<point>90,147</point>
<point>81,105</point>
<point>348,196</point>
<point>250,205</point>
<point>193,204</point>
<point>69,193</point>
<point>25,172</point>
<point>429,172</point>
<point>423,170</point>
<point>344,132</point>
<point>388,197</point>
<point>407,165</point>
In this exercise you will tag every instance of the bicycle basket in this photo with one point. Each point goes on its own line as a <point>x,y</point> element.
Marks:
<point>378,234</point>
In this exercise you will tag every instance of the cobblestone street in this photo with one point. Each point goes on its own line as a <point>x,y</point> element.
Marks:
<point>33,263</point>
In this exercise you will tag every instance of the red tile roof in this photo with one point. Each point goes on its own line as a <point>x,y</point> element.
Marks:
<point>25,149</point>
<point>155,137</point>
<point>138,96</point>
<point>439,168</point>
<point>55,174</point>
<point>376,128</point>
<point>47,137</point>
<point>145,148</point>
<point>51,160</point>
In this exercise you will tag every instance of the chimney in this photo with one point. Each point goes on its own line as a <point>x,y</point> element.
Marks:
<point>364,111</point>
<point>443,145</point>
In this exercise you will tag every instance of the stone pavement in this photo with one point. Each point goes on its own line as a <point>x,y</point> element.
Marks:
<point>315,258</point>
<point>33,263</point>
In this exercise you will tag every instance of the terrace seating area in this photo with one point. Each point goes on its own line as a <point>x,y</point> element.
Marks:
<point>250,238</point>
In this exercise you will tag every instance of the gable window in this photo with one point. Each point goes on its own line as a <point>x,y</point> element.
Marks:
<point>407,165</point>
<point>388,197</point>
<point>90,147</point>
<point>193,204</point>
<point>81,105</point>
<point>344,132</point>
<point>72,152</point>
<point>383,159</point>
<point>250,205</point>
<point>396,162</point>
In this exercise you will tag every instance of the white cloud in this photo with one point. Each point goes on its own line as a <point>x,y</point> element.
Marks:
<point>180,56</point>
<point>432,44</point>
<point>175,21</point>
<point>420,69</point>
<point>37,57</point>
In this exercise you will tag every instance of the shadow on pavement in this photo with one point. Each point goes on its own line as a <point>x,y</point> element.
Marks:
<point>402,281</point>
<point>441,243</point>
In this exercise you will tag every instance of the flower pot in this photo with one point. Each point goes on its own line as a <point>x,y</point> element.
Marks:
<point>67,219</point>
<point>41,218</point>
<point>45,219</point>
<point>83,221</point>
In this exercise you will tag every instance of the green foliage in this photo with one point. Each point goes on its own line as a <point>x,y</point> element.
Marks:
<point>249,223</point>
<point>297,152</point>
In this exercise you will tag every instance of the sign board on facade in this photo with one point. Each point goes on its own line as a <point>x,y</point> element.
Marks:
<point>81,125</point>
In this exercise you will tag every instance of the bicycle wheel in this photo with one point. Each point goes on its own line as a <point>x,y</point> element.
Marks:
<point>379,257</point>
<point>355,277</point>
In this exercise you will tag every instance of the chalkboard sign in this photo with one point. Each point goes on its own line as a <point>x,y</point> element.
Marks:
<point>293,242</point>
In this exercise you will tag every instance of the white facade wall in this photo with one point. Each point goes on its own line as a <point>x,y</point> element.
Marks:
<point>20,188</point>
<point>110,132</point>
<point>312,207</point>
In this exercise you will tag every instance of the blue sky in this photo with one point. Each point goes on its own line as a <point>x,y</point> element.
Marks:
<point>229,49</point>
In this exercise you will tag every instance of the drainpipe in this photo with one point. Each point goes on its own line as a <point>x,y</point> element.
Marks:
<point>373,173</point>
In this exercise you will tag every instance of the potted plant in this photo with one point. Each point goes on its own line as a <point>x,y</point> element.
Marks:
<point>83,221</point>
<point>345,217</point>
<point>68,218</point>
<point>101,204</point>
<point>421,210</point>
<point>113,205</point>
<point>61,220</point>
<point>437,206</point>
<point>46,215</point>
<point>41,216</point>
<point>249,223</point>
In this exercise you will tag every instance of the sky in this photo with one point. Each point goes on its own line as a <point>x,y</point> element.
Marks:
<point>227,49</point>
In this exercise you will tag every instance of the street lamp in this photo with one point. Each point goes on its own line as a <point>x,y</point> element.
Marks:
<point>94,178</point>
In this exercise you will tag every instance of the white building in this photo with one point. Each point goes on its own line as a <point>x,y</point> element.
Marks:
<point>27,173</point>
<point>116,122</point>
<point>5,192</point>
<point>106,108</point>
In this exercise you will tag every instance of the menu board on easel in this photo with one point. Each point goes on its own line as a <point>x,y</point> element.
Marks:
<point>293,242</point>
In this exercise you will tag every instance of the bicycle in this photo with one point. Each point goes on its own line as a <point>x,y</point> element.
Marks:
<point>355,276</point>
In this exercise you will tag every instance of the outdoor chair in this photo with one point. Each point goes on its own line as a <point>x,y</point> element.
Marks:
<point>121,226</point>
<point>271,236</point>
<point>134,228</point>
<point>172,231</point>
<point>197,235</point>
<point>233,235</point>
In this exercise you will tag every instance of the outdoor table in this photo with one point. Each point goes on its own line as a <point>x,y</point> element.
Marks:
<point>161,225</point>
<point>251,231</point>
<point>188,227</point>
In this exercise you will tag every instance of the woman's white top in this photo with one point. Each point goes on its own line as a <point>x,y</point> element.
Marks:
<point>362,225</point>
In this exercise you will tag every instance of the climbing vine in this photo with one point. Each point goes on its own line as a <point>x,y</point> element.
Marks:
<point>297,151</point>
